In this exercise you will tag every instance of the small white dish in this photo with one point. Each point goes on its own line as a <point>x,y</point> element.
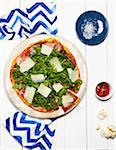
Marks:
<point>109,94</point>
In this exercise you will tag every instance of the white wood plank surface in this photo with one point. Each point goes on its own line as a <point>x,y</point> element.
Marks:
<point>70,125</point>
<point>97,70</point>
<point>77,130</point>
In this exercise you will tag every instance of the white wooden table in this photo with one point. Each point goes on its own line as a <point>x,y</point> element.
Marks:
<point>77,130</point>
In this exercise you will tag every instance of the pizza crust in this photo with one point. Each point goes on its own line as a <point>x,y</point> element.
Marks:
<point>12,95</point>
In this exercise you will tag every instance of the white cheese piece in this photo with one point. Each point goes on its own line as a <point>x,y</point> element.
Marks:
<point>67,99</point>
<point>56,64</point>
<point>38,78</point>
<point>27,64</point>
<point>70,71</point>
<point>57,87</point>
<point>29,94</point>
<point>44,90</point>
<point>19,60</point>
<point>73,74</point>
<point>46,50</point>
<point>32,51</point>
<point>102,114</point>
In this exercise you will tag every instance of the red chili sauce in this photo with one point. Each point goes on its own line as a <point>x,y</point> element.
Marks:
<point>102,89</point>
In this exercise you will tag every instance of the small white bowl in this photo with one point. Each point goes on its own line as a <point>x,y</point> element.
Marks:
<point>106,97</point>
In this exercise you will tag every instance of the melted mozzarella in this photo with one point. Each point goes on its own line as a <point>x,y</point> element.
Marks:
<point>56,64</point>
<point>46,50</point>
<point>37,78</point>
<point>29,94</point>
<point>57,87</point>
<point>27,64</point>
<point>44,90</point>
<point>67,99</point>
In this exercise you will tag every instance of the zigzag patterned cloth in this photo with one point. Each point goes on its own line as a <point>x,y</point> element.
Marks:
<point>32,133</point>
<point>35,18</point>
<point>38,18</point>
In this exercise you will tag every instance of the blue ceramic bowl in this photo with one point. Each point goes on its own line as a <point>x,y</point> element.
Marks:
<point>92,28</point>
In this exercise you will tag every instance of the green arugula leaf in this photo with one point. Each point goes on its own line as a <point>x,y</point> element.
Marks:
<point>43,66</point>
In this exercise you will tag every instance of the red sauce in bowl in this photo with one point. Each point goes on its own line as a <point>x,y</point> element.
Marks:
<point>103,89</point>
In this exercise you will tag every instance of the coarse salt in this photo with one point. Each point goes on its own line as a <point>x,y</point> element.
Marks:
<point>89,30</point>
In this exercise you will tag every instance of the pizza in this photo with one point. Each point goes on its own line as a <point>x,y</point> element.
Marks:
<point>46,80</point>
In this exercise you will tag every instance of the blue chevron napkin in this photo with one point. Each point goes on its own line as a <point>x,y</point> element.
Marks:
<point>34,18</point>
<point>30,132</point>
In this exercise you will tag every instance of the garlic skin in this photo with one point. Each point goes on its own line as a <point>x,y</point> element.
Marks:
<point>109,132</point>
<point>102,114</point>
<point>97,127</point>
